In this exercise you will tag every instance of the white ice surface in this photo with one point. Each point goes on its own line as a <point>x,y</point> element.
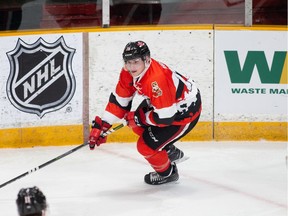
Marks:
<point>219,179</point>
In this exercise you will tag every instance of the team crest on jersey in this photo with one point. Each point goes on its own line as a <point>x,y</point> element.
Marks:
<point>41,79</point>
<point>156,89</point>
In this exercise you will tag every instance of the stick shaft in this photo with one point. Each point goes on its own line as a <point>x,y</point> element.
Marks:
<point>58,158</point>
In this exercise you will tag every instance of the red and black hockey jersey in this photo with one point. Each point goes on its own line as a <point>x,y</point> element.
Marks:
<point>174,99</point>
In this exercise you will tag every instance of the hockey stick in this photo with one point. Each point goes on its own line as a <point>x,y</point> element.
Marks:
<point>60,156</point>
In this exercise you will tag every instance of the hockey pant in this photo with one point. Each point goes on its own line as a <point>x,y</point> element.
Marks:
<point>153,139</point>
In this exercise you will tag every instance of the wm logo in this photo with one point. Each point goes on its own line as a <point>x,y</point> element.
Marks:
<point>276,74</point>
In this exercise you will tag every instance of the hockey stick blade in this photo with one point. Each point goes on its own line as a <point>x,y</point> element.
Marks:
<point>59,157</point>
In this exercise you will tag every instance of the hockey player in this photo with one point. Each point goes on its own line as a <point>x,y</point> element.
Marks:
<point>31,202</point>
<point>170,109</point>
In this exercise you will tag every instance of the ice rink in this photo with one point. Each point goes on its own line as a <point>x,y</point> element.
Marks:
<point>219,179</point>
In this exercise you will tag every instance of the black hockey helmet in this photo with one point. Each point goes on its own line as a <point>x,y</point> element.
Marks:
<point>137,49</point>
<point>31,201</point>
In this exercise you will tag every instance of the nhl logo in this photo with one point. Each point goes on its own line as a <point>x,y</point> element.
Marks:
<point>41,79</point>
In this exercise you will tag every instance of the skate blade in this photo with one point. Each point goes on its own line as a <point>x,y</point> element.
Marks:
<point>181,160</point>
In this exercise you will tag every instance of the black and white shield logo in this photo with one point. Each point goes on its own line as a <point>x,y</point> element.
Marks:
<point>41,79</point>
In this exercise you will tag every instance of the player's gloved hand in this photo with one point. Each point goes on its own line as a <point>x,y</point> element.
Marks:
<point>98,128</point>
<point>136,118</point>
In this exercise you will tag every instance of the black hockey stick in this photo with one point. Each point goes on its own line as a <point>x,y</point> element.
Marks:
<point>60,156</point>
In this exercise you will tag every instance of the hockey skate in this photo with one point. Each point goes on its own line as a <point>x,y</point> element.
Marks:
<point>153,178</point>
<point>174,154</point>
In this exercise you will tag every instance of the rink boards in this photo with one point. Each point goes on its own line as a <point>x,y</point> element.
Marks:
<point>53,83</point>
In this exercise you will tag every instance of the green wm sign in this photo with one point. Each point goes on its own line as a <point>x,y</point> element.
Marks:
<point>277,74</point>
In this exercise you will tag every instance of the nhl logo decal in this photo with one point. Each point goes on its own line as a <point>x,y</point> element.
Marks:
<point>41,79</point>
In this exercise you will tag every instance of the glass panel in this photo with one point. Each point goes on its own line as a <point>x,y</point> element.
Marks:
<point>131,12</point>
<point>75,13</point>
<point>10,14</point>
<point>39,14</point>
<point>270,12</point>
